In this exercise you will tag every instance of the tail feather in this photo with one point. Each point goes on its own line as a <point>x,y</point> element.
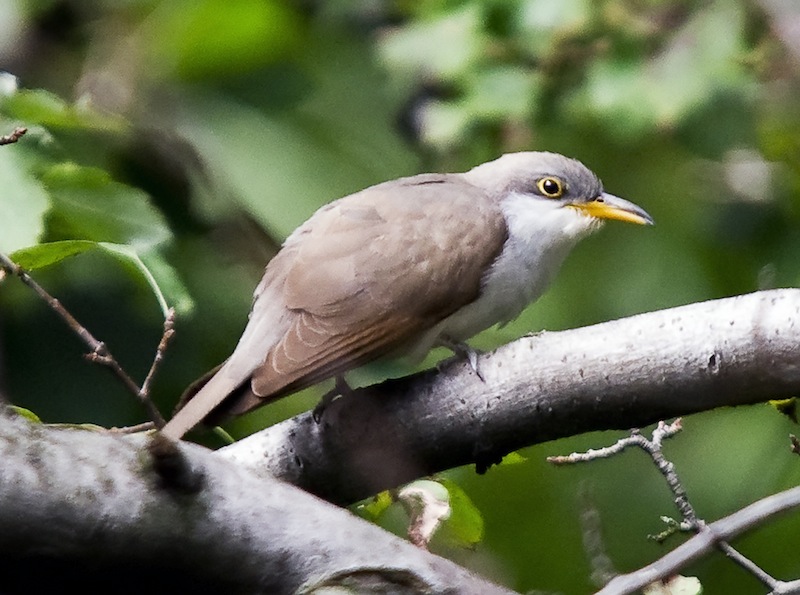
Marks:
<point>202,397</point>
<point>238,401</point>
<point>195,387</point>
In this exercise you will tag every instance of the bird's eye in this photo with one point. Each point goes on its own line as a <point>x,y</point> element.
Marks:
<point>550,187</point>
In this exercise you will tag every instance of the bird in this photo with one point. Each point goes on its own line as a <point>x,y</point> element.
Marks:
<point>400,268</point>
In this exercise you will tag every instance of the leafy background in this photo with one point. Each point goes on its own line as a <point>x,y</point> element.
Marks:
<point>174,144</point>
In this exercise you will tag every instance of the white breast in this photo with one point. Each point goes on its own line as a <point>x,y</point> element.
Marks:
<point>540,235</point>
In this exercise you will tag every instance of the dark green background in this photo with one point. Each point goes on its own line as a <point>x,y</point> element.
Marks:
<point>222,125</point>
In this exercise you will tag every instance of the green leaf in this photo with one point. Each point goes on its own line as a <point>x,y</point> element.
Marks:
<point>88,205</point>
<point>212,38</point>
<point>159,274</point>
<point>445,47</point>
<point>464,527</point>
<point>43,255</point>
<point>616,91</point>
<point>787,407</point>
<point>23,202</point>
<point>702,61</point>
<point>164,278</point>
<point>279,169</point>
<point>444,124</point>
<point>47,109</point>
<point>129,256</point>
<point>506,92</point>
<point>377,505</point>
<point>513,458</point>
<point>223,435</point>
<point>26,413</point>
<point>541,23</point>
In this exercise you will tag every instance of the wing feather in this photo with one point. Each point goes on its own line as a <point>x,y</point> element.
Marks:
<point>362,277</point>
<point>373,271</point>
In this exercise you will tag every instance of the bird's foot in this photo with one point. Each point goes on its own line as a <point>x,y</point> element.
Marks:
<point>340,389</point>
<point>463,351</point>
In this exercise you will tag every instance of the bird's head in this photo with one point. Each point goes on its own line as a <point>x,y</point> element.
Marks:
<point>557,182</point>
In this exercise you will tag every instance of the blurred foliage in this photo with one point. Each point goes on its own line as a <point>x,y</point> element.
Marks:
<point>187,139</point>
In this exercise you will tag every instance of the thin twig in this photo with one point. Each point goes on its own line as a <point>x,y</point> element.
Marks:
<point>707,539</point>
<point>8,139</point>
<point>138,428</point>
<point>747,564</point>
<point>169,331</point>
<point>99,352</point>
<point>690,522</point>
<point>635,439</point>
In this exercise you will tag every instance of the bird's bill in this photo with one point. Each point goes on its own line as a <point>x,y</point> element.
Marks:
<point>608,206</point>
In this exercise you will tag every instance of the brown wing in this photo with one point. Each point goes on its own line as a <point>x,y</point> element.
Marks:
<point>363,276</point>
<point>376,269</point>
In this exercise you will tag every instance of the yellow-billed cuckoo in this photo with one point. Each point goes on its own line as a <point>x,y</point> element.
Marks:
<point>402,267</point>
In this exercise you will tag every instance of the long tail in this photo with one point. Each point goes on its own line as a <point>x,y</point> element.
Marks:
<point>200,400</point>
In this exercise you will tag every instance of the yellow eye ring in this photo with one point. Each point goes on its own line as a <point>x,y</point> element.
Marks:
<point>550,187</point>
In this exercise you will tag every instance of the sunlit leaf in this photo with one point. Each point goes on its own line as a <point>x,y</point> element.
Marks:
<point>377,505</point>
<point>26,413</point>
<point>513,458</point>
<point>43,255</point>
<point>427,504</point>
<point>217,38</point>
<point>128,255</point>
<point>540,21</point>
<point>47,109</point>
<point>23,202</point>
<point>502,93</point>
<point>443,124</point>
<point>787,407</point>
<point>163,277</point>
<point>639,94</point>
<point>464,527</point>
<point>444,47</point>
<point>159,275</point>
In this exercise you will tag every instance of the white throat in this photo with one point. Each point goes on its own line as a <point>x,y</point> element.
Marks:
<point>540,235</point>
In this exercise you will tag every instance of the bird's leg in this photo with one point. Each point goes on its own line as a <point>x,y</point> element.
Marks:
<point>463,351</point>
<point>340,389</point>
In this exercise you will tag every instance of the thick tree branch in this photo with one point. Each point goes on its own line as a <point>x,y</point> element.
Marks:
<point>616,375</point>
<point>83,510</point>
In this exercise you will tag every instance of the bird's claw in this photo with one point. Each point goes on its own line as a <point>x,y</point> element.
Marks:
<point>340,389</point>
<point>464,351</point>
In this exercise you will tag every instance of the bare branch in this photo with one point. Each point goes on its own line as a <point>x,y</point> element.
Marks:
<point>169,331</point>
<point>99,352</point>
<point>143,427</point>
<point>663,431</point>
<point>707,540</point>
<point>690,522</point>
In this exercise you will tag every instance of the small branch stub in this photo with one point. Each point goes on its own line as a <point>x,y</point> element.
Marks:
<point>14,136</point>
<point>172,467</point>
